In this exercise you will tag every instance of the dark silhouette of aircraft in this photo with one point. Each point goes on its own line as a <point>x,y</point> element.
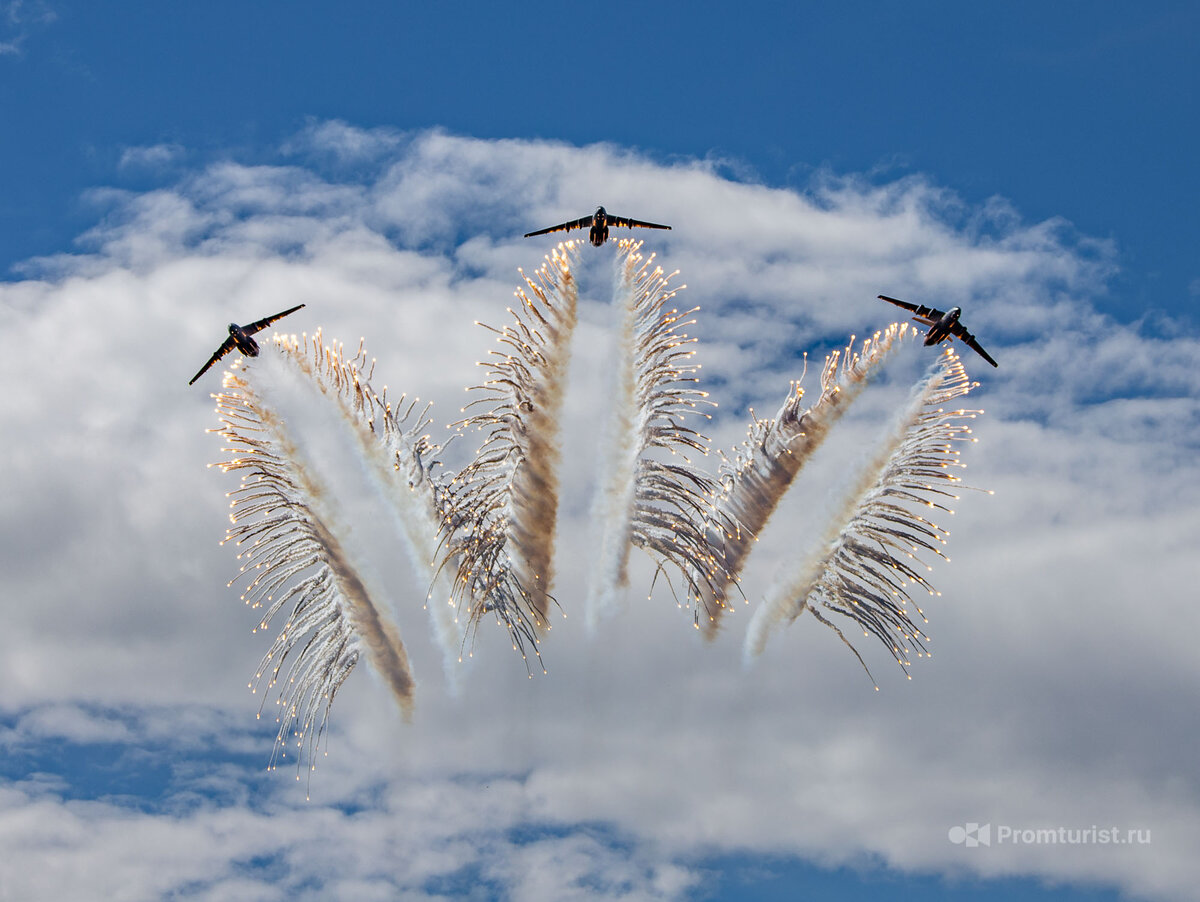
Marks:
<point>942,326</point>
<point>239,337</point>
<point>599,223</point>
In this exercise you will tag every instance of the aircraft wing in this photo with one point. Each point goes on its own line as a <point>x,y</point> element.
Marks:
<point>926,315</point>
<point>226,346</point>
<point>584,223</point>
<point>623,222</point>
<point>969,340</point>
<point>263,323</point>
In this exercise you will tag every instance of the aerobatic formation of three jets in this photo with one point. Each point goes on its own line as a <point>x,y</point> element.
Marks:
<point>943,325</point>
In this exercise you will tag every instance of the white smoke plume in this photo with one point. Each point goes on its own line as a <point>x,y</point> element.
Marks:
<point>763,467</point>
<point>661,506</point>
<point>865,567</point>
<point>292,530</point>
<point>399,457</point>
<point>500,511</point>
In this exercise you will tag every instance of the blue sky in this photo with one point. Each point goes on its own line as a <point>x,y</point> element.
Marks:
<point>1084,111</point>
<point>164,169</point>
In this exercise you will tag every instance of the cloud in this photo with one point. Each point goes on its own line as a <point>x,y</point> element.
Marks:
<point>72,723</point>
<point>343,143</point>
<point>1062,643</point>
<point>17,19</point>
<point>154,156</point>
<point>205,838</point>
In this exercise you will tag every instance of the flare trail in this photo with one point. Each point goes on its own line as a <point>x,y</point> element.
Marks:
<point>500,511</point>
<point>297,539</point>
<point>659,505</point>
<point>865,567</point>
<point>399,457</point>
<point>762,469</point>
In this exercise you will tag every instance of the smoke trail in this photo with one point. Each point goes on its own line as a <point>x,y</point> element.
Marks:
<point>399,457</point>
<point>500,511</point>
<point>289,524</point>
<point>764,466</point>
<point>659,506</point>
<point>859,573</point>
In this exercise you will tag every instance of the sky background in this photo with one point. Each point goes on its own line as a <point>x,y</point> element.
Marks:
<point>166,170</point>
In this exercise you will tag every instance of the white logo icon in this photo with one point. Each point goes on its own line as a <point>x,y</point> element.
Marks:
<point>971,835</point>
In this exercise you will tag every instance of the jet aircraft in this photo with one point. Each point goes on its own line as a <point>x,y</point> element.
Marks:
<point>239,337</point>
<point>942,325</point>
<point>598,223</point>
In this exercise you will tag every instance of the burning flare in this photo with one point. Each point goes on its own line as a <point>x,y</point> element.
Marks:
<point>763,468</point>
<point>650,494</point>
<point>292,528</point>
<point>500,511</point>
<point>865,567</point>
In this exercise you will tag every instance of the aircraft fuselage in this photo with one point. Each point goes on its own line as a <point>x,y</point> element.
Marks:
<point>940,330</point>
<point>244,340</point>
<point>599,231</point>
